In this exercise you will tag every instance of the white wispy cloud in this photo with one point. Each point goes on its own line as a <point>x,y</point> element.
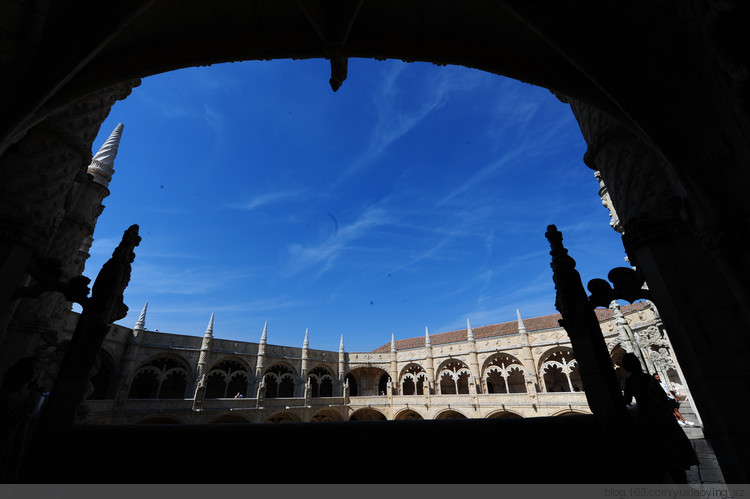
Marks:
<point>266,199</point>
<point>393,121</point>
<point>149,277</point>
<point>323,255</point>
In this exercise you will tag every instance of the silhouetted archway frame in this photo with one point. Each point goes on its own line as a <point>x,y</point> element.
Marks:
<point>600,53</point>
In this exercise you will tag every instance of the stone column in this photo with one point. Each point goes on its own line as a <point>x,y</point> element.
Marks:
<point>473,361</point>
<point>627,338</point>
<point>429,363</point>
<point>394,367</point>
<point>694,272</point>
<point>531,377</point>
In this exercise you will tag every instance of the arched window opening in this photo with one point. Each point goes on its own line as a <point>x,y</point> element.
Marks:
<point>279,381</point>
<point>145,384</point>
<point>616,357</point>
<point>174,385</point>
<point>413,379</point>
<point>369,381</point>
<point>408,415</point>
<point>321,382</point>
<point>161,378</point>
<point>282,417</point>
<point>226,379</point>
<point>504,415</point>
<point>560,372</point>
<point>408,385</point>
<point>352,382</point>
<point>325,417</point>
<point>383,384</point>
<point>454,378</point>
<point>504,374</point>
<point>450,414</point>
<point>367,414</point>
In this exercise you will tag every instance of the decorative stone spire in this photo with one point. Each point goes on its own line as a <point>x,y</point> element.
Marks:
<point>205,350</point>
<point>102,164</point>
<point>305,368</point>
<point>521,325</point>
<point>210,328</point>
<point>341,366</point>
<point>264,335</point>
<point>140,324</point>
<point>261,359</point>
<point>427,337</point>
<point>392,387</point>
<point>469,332</point>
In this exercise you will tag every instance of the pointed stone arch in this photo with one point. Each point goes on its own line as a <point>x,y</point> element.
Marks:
<point>504,414</point>
<point>321,379</point>
<point>569,412</point>
<point>283,417</point>
<point>280,378</point>
<point>325,416</point>
<point>407,415</point>
<point>367,414</point>
<point>559,371</point>
<point>453,377</point>
<point>450,414</point>
<point>504,373</point>
<point>412,379</point>
<point>160,376</point>
<point>369,380</point>
<point>227,377</point>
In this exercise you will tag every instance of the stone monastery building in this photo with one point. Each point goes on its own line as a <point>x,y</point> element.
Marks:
<point>521,368</point>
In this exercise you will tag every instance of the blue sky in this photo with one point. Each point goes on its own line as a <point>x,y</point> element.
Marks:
<point>416,196</point>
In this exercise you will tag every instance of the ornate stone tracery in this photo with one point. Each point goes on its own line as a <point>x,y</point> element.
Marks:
<point>226,379</point>
<point>504,374</point>
<point>453,377</point>
<point>279,381</point>
<point>413,379</point>
<point>560,372</point>
<point>163,377</point>
<point>321,382</point>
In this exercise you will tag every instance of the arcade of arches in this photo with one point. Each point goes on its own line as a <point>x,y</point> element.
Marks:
<point>660,91</point>
<point>523,368</point>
